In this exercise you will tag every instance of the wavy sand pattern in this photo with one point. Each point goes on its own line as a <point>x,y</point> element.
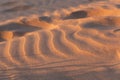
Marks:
<point>74,43</point>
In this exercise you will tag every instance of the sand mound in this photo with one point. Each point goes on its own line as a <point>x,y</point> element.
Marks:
<point>14,29</point>
<point>111,21</point>
<point>117,30</point>
<point>97,12</point>
<point>76,44</point>
<point>6,35</point>
<point>94,12</point>
<point>43,22</point>
<point>46,19</point>
<point>77,15</point>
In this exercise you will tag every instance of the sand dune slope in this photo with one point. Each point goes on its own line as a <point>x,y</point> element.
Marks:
<point>76,44</point>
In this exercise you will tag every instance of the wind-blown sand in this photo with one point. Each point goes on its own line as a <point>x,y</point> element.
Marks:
<point>60,40</point>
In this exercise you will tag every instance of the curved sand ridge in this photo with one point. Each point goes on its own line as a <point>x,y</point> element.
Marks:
<point>83,43</point>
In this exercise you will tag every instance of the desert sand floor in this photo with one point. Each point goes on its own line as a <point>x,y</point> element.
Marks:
<point>60,40</point>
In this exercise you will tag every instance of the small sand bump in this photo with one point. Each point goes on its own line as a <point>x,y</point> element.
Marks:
<point>39,22</point>
<point>46,19</point>
<point>118,5</point>
<point>18,27</point>
<point>116,30</point>
<point>96,25</point>
<point>103,23</point>
<point>23,21</point>
<point>77,15</point>
<point>10,30</point>
<point>97,12</point>
<point>92,12</point>
<point>18,34</point>
<point>110,21</point>
<point>105,7</point>
<point>6,35</point>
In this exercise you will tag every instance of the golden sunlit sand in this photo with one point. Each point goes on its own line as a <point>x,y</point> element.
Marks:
<point>77,40</point>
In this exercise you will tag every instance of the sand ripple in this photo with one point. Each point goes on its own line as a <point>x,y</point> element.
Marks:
<point>83,43</point>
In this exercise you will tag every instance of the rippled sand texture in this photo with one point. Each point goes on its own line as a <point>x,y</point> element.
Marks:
<point>65,40</point>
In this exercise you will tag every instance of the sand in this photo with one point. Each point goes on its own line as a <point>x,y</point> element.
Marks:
<point>60,40</point>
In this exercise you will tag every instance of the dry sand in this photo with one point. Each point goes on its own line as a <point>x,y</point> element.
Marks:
<point>60,40</point>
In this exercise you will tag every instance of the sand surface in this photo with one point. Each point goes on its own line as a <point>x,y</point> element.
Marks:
<point>60,40</point>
